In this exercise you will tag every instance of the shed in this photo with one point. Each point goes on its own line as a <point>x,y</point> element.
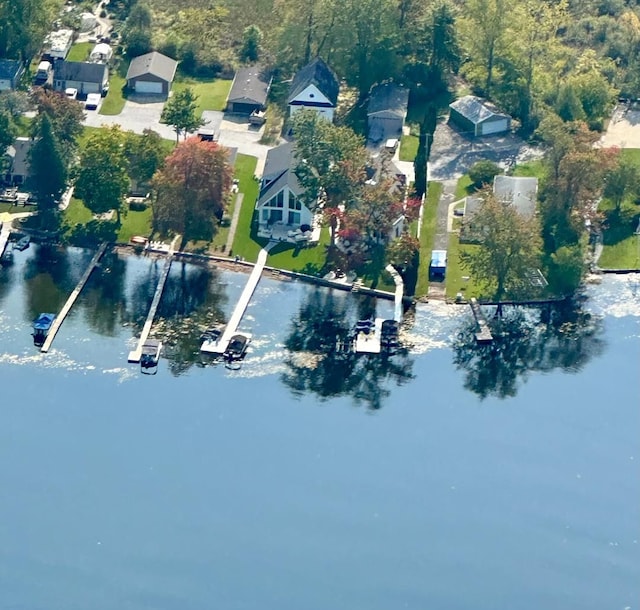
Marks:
<point>101,53</point>
<point>151,73</point>
<point>387,111</point>
<point>438,264</point>
<point>249,90</point>
<point>10,72</point>
<point>478,117</point>
<point>58,43</point>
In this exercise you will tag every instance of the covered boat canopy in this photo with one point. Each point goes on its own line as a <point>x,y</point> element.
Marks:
<point>44,321</point>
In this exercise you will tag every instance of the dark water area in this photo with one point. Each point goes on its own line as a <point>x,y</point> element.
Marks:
<point>445,476</point>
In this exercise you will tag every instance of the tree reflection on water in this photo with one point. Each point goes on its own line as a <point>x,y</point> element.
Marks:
<point>316,363</point>
<point>561,336</point>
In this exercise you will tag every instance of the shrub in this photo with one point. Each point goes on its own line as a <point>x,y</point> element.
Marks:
<point>483,172</point>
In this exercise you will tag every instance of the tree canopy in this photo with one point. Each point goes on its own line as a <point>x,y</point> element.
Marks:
<point>180,112</point>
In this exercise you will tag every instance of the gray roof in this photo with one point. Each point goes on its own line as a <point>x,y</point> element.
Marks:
<point>250,84</point>
<point>476,109</point>
<point>389,97</point>
<point>19,153</point>
<point>317,73</point>
<point>279,170</point>
<point>519,191</point>
<point>153,63</point>
<point>81,71</point>
<point>9,68</point>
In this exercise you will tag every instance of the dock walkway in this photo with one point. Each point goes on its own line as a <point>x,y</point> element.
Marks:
<point>399,295</point>
<point>483,334</point>
<point>136,354</point>
<point>220,346</point>
<point>4,238</point>
<point>66,308</point>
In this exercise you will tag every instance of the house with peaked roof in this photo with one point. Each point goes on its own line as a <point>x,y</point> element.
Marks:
<point>249,90</point>
<point>151,73</point>
<point>17,161</point>
<point>315,87</point>
<point>478,117</point>
<point>10,72</point>
<point>280,201</point>
<point>81,75</point>
<point>387,111</point>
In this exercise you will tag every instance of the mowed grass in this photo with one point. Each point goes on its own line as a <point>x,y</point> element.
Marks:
<point>135,223</point>
<point>408,147</point>
<point>621,242</point>
<point>115,100</point>
<point>212,94</point>
<point>427,236</point>
<point>455,270</point>
<point>243,244</point>
<point>80,51</point>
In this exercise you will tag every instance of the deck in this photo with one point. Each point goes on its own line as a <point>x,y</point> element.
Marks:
<point>370,343</point>
<point>483,334</point>
<point>136,354</point>
<point>219,347</point>
<point>66,308</point>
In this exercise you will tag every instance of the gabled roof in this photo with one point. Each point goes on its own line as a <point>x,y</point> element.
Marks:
<point>476,109</point>
<point>279,160</point>
<point>388,97</point>
<point>9,68</point>
<point>317,73</point>
<point>81,71</point>
<point>521,192</point>
<point>279,168</point>
<point>250,84</point>
<point>154,63</point>
<point>19,153</point>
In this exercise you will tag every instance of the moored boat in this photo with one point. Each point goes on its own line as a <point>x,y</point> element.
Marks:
<point>41,326</point>
<point>150,356</point>
<point>237,348</point>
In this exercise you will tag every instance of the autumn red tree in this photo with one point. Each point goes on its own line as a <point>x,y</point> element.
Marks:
<point>191,189</point>
<point>66,115</point>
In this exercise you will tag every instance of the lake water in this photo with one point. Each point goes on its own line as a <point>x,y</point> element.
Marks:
<point>444,477</point>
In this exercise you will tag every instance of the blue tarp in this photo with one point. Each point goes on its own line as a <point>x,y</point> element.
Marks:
<point>44,321</point>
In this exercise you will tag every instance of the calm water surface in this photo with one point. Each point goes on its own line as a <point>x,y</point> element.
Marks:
<point>444,477</point>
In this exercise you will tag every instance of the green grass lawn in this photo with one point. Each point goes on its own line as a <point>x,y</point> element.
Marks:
<point>243,244</point>
<point>212,94</point>
<point>135,223</point>
<point>621,244</point>
<point>115,100</point>
<point>304,260</point>
<point>532,169</point>
<point>455,271</point>
<point>427,236</point>
<point>408,148</point>
<point>80,51</point>
<point>77,213</point>
<point>23,125</point>
<point>463,188</point>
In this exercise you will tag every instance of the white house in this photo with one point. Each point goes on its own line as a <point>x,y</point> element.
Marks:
<point>280,199</point>
<point>315,87</point>
<point>81,75</point>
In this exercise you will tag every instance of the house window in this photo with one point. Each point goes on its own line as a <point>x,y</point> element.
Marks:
<point>294,218</point>
<point>265,215</point>
<point>294,204</point>
<point>275,216</point>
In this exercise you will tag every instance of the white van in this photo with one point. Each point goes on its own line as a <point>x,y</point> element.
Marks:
<point>93,100</point>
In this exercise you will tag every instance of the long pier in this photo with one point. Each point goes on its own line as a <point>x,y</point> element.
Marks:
<point>136,354</point>
<point>220,346</point>
<point>483,334</point>
<point>4,238</point>
<point>66,308</point>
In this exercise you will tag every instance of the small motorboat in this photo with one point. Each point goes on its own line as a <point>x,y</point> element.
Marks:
<point>41,326</point>
<point>22,243</point>
<point>237,349</point>
<point>150,356</point>
<point>7,257</point>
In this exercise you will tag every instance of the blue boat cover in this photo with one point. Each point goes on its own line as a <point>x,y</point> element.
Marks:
<point>44,321</point>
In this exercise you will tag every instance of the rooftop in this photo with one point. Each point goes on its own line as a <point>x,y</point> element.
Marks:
<point>317,73</point>
<point>251,84</point>
<point>521,192</point>
<point>475,109</point>
<point>153,63</point>
<point>388,97</point>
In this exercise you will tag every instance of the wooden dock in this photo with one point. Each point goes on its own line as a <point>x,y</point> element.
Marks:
<point>370,343</point>
<point>72,299</point>
<point>219,347</point>
<point>483,334</point>
<point>4,238</point>
<point>136,354</point>
<point>399,294</point>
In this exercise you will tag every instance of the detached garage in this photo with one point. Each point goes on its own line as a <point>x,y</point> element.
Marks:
<point>387,111</point>
<point>249,90</point>
<point>151,74</point>
<point>478,117</point>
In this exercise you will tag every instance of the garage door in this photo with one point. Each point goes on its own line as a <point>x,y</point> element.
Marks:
<point>143,86</point>
<point>494,127</point>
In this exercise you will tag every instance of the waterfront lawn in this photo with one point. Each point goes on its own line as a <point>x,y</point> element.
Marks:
<point>80,51</point>
<point>114,102</point>
<point>408,147</point>
<point>304,260</point>
<point>135,223</point>
<point>427,236</point>
<point>621,244</point>
<point>245,243</point>
<point>455,271</point>
<point>212,93</point>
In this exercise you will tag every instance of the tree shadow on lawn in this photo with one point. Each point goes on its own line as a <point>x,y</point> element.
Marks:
<point>93,233</point>
<point>620,224</point>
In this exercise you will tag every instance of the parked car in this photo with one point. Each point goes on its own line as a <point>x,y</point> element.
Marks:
<point>93,101</point>
<point>71,93</point>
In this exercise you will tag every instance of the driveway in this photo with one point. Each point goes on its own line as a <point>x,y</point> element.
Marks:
<point>624,128</point>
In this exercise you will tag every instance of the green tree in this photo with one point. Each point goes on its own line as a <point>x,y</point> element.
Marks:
<point>23,26</point>
<point>145,154</point>
<point>7,131</point>
<point>622,181</point>
<point>510,247</point>
<point>483,173</point>
<point>191,189</point>
<point>251,44</point>
<point>49,169</point>
<point>180,112</point>
<point>103,179</point>
<point>66,116</point>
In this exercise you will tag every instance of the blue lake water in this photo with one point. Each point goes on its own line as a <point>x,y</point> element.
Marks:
<point>445,477</point>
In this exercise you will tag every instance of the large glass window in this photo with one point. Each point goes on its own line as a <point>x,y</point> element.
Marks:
<point>294,218</point>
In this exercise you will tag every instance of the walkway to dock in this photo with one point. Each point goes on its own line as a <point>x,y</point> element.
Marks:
<point>220,346</point>
<point>483,335</point>
<point>57,323</point>
<point>397,278</point>
<point>4,237</point>
<point>136,354</point>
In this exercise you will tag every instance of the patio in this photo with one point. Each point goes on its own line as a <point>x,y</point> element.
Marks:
<point>281,232</point>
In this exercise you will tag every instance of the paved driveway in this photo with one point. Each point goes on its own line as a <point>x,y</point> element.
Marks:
<point>624,128</point>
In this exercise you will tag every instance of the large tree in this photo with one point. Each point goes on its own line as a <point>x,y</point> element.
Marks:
<point>145,154</point>
<point>66,115</point>
<point>7,131</point>
<point>23,26</point>
<point>622,181</point>
<point>508,250</point>
<point>103,179</point>
<point>191,189</point>
<point>48,168</point>
<point>180,112</point>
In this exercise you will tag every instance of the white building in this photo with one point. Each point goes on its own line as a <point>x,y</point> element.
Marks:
<point>315,87</point>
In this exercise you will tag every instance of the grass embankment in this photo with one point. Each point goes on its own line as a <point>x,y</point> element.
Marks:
<point>427,236</point>
<point>212,93</point>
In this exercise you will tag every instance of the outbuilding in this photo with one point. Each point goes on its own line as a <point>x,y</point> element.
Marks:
<point>387,111</point>
<point>314,87</point>
<point>151,73</point>
<point>249,90</point>
<point>10,72</point>
<point>477,117</point>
